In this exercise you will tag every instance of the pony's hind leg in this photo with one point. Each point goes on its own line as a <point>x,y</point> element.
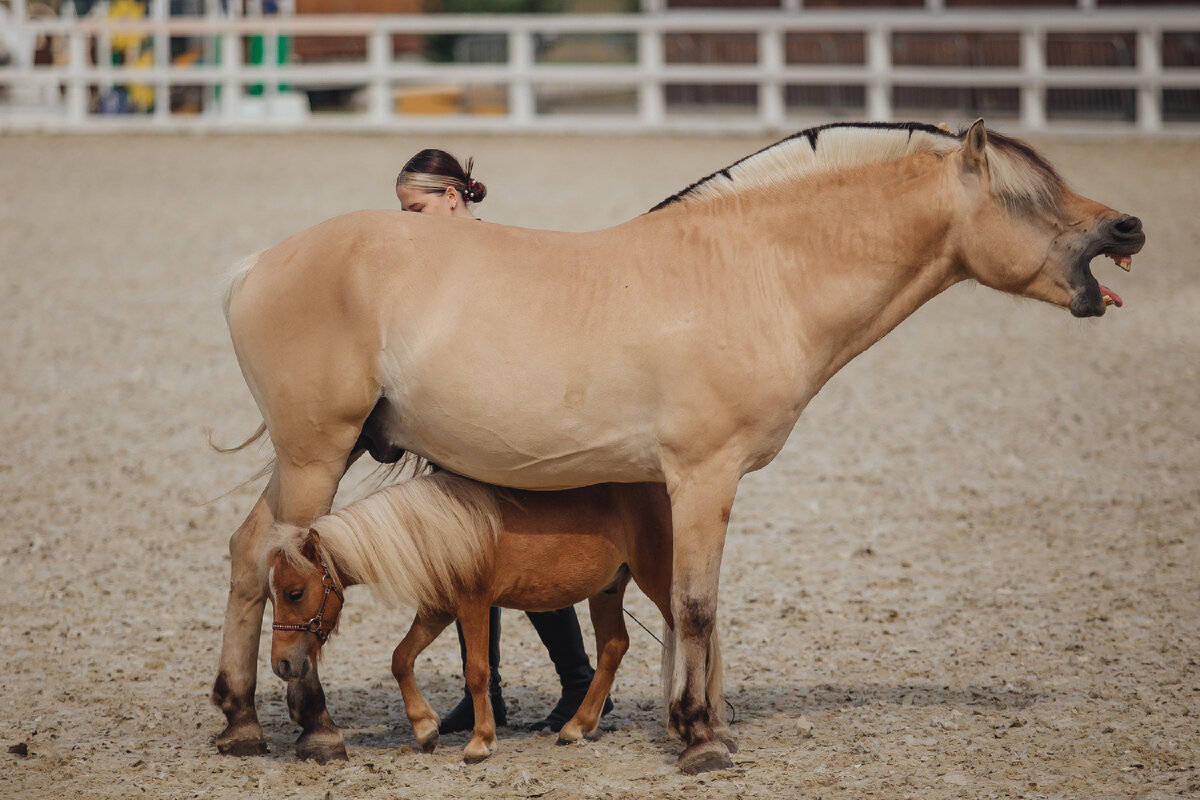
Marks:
<point>612,641</point>
<point>473,614</point>
<point>237,672</point>
<point>421,716</point>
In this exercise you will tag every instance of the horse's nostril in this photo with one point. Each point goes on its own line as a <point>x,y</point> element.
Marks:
<point>285,668</point>
<point>1128,225</point>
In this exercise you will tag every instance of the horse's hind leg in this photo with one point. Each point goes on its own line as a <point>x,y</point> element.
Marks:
<point>612,641</point>
<point>421,716</point>
<point>237,673</point>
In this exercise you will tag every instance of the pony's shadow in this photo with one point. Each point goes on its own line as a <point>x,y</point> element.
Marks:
<point>386,727</point>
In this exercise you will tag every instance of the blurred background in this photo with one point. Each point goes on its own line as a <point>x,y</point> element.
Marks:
<point>622,65</point>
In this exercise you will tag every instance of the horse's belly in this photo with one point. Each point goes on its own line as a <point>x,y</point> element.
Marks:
<point>496,431</point>
<point>528,459</point>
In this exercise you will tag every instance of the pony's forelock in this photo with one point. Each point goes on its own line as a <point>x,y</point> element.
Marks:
<point>287,541</point>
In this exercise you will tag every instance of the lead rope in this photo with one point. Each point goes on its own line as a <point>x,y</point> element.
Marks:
<point>732,710</point>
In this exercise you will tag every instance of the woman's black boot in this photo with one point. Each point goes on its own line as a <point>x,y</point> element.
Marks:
<point>560,633</point>
<point>462,716</point>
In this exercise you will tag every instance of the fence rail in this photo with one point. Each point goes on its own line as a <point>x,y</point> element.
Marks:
<point>652,89</point>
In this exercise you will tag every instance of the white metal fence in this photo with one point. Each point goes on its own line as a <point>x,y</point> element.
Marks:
<point>627,72</point>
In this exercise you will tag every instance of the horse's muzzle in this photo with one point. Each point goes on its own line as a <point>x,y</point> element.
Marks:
<point>289,670</point>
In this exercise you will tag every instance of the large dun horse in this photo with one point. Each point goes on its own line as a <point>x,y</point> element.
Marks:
<point>679,347</point>
<point>451,547</point>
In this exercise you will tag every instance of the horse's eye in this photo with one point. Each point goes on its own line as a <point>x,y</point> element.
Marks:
<point>294,595</point>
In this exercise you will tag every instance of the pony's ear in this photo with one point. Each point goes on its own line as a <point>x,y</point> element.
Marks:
<point>311,546</point>
<point>975,147</point>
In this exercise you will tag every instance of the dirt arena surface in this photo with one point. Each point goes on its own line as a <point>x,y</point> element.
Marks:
<point>973,572</point>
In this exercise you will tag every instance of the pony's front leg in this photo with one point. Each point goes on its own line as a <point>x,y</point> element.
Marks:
<point>473,615</point>
<point>612,641</point>
<point>237,671</point>
<point>701,503</point>
<point>421,716</point>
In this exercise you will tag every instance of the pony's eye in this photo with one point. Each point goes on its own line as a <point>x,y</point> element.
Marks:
<point>294,595</point>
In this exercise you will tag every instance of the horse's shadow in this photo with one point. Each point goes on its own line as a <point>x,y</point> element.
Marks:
<point>385,726</point>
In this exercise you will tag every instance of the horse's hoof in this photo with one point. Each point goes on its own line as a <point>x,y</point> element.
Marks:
<point>704,757</point>
<point>321,752</point>
<point>242,747</point>
<point>726,738</point>
<point>430,744</point>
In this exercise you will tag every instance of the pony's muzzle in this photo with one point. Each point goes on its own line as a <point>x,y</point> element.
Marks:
<point>289,670</point>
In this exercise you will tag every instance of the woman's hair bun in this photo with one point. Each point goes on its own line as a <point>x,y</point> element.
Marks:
<point>474,191</point>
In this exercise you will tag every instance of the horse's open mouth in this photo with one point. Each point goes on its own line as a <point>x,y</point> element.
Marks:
<point>1123,261</point>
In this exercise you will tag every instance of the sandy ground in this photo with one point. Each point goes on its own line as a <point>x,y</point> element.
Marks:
<point>973,572</point>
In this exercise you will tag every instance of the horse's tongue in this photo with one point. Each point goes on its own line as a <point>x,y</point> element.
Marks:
<point>1110,296</point>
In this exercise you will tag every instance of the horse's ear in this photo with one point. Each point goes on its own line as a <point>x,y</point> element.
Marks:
<point>975,147</point>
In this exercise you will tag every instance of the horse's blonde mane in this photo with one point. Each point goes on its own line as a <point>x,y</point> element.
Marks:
<point>413,544</point>
<point>1019,175</point>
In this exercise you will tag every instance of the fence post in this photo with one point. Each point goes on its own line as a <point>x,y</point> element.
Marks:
<point>650,92</point>
<point>77,96</point>
<point>771,58</point>
<point>162,62</point>
<point>378,56</point>
<point>520,63</point>
<point>1033,93</point>
<point>231,67</point>
<point>1149,93</point>
<point>879,64</point>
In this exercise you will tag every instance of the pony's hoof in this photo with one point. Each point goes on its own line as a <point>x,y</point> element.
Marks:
<point>473,755</point>
<point>322,752</point>
<point>572,733</point>
<point>242,747</point>
<point>704,757</point>
<point>426,734</point>
<point>726,738</point>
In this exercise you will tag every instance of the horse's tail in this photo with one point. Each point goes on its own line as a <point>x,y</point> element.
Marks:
<point>714,675</point>
<point>415,543</point>
<point>234,278</point>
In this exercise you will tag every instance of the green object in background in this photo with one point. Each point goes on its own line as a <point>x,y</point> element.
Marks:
<point>256,51</point>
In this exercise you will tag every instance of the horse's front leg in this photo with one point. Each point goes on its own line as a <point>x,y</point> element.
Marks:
<point>421,716</point>
<point>306,492</point>
<point>701,502</point>
<point>473,614</point>
<point>237,672</point>
<point>612,641</point>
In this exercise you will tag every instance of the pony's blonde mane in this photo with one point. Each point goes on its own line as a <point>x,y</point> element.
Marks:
<point>413,544</point>
<point>1019,176</point>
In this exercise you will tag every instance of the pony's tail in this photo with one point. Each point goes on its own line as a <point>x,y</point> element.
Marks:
<point>714,675</point>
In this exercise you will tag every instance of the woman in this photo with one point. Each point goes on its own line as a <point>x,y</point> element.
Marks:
<point>434,182</point>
